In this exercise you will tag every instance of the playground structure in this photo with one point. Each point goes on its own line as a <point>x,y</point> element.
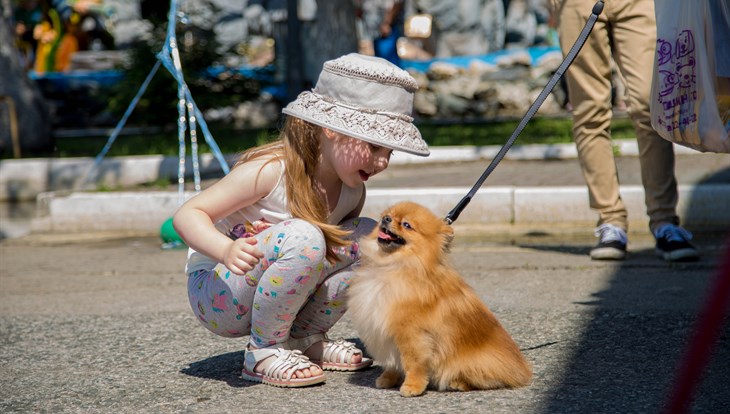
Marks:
<point>189,116</point>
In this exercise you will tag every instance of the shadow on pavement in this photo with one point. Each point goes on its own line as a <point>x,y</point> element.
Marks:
<point>366,378</point>
<point>626,357</point>
<point>577,250</point>
<point>227,368</point>
<point>224,367</point>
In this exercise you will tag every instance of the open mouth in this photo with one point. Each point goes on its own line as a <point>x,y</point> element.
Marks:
<point>364,176</point>
<point>388,238</point>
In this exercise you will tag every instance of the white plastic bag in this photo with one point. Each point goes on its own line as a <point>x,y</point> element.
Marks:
<point>690,93</point>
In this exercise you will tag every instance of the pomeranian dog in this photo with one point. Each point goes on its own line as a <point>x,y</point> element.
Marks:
<point>419,319</point>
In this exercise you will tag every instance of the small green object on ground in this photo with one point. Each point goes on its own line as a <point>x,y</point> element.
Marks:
<point>169,236</point>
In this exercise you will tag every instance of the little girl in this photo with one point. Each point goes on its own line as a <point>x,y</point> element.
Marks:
<point>272,244</point>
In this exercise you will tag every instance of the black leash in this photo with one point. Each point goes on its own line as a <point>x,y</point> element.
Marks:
<point>597,9</point>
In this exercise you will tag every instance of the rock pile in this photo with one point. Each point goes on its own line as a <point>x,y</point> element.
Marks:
<point>481,90</point>
<point>449,91</point>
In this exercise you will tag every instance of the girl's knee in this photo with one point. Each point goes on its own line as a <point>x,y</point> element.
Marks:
<point>300,238</point>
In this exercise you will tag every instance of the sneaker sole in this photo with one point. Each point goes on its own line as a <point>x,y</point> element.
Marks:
<point>680,255</point>
<point>608,253</point>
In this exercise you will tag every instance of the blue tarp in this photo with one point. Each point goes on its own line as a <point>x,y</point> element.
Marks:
<point>263,74</point>
<point>65,81</point>
<point>535,53</point>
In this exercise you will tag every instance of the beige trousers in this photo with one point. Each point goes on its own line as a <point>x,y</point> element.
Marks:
<point>626,29</point>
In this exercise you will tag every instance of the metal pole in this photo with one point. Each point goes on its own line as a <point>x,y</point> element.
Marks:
<point>13,121</point>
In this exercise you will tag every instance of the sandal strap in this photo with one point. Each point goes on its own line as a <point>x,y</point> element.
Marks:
<point>304,343</point>
<point>286,360</point>
<point>339,351</point>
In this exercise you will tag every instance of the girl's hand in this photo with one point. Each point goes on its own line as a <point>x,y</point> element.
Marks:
<point>242,255</point>
<point>260,225</point>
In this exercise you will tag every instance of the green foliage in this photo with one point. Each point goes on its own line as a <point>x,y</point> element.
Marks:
<point>229,140</point>
<point>232,141</point>
<point>537,131</point>
<point>158,105</point>
<point>160,183</point>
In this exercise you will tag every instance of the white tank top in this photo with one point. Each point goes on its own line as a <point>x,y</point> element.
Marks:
<point>273,209</point>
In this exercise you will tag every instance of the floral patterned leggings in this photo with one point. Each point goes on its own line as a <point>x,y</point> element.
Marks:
<point>292,289</point>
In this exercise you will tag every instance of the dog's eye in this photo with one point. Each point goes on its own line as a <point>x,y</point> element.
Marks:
<point>407,225</point>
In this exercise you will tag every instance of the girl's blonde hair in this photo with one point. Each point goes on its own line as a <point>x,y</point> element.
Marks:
<point>298,146</point>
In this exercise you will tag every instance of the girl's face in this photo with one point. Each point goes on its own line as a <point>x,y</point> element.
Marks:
<point>353,160</point>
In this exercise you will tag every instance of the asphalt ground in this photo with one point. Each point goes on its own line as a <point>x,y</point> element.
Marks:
<point>100,323</point>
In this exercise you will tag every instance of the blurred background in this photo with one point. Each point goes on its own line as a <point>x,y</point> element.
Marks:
<point>69,69</point>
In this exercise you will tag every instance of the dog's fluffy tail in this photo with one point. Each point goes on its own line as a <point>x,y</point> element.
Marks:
<point>494,366</point>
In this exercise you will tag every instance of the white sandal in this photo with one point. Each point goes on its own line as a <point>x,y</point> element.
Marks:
<point>276,373</point>
<point>335,354</point>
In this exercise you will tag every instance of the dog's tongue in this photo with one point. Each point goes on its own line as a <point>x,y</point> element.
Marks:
<point>382,235</point>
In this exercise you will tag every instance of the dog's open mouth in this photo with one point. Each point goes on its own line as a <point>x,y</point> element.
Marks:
<point>387,237</point>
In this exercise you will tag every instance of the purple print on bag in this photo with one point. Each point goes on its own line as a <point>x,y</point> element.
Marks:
<point>686,59</point>
<point>677,83</point>
<point>667,80</point>
<point>664,52</point>
<point>685,44</point>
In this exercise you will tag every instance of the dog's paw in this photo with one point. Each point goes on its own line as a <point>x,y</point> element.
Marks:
<point>413,388</point>
<point>458,385</point>
<point>388,379</point>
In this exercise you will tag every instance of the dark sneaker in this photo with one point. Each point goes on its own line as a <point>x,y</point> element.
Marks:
<point>611,243</point>
<point>672,244</point>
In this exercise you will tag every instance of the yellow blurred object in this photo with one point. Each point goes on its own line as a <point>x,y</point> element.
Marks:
<point>45,35</point>
<point>68,45</point>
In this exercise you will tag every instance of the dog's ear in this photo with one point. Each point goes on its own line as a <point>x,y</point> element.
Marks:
<point>447,232</point>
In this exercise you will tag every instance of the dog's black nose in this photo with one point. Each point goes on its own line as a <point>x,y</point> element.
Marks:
<point>386,220</point>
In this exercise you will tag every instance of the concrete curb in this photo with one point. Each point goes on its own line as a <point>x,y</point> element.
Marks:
<point>703,206</point>
<point>64,211</point>
<point>27,178</point>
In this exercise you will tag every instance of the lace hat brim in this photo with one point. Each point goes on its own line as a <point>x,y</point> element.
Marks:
<point>364,97</point>
<point>394,131</point>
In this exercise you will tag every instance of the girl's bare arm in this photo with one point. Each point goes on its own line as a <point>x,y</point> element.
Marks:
<point>194,221</point>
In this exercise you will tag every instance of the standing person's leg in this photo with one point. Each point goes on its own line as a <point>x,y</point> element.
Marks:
<point>635,37</point>
<point>589,91</point>
<point>635,43</point>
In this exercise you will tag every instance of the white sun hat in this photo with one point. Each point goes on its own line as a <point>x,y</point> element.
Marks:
<point>363,97</point>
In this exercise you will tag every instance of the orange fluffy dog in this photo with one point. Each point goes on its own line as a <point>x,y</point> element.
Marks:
<point>419,319</point>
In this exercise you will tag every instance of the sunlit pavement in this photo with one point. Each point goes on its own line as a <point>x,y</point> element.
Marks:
<point>99,323</point>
